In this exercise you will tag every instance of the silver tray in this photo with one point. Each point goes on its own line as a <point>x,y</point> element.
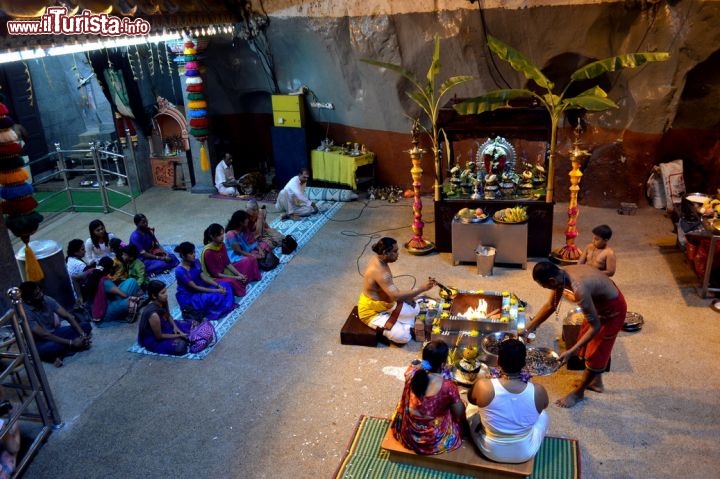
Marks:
<point>542,361</point>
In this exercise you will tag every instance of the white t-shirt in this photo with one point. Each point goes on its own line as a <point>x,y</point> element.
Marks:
<point>223,173</point>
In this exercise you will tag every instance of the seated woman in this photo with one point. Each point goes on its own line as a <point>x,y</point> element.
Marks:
<point>506,415</point>
<point>98,244</point>
<point>430,415</point>
<point>156,259</point>
<point>196,291</point>
<point>132,264</point>
<point>120,273</point>
<point>240,242</point>
<point>77,269</point>
<point>158,332</point>
<point>258,225</point>
<point>110,302</point>
<point>216,262</point>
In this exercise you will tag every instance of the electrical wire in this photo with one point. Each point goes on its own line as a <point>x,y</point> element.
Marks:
<point>375,235</point>
<point>489,55</point>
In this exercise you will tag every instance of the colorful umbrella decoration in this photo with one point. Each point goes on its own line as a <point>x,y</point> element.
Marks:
<point>196,104</point>
<point>18,205</point>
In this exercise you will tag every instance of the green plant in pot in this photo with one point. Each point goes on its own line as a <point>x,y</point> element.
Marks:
<point>428,97</point>
<point>556,104</point>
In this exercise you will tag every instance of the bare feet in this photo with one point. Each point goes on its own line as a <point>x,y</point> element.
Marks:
<point>570,400</point>
<point>595,385</point>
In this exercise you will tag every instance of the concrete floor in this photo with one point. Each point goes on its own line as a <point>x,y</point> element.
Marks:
<point>279,396</point>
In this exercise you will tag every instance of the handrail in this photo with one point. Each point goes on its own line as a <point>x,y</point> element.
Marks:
<point>101,155</point>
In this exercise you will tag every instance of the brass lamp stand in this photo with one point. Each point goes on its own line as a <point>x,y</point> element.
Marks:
<point>570,253</point>
<point>417,245</point>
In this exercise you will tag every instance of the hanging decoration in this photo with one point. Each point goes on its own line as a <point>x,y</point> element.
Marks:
<point>123,125</point>
<point>18,205</point>
<point>196,103</point>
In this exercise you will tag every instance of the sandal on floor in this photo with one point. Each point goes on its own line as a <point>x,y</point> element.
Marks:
<point>132,311</point>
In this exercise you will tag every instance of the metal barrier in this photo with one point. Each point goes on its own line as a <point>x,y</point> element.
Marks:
<point>102,173</point>
<point>23,372</point>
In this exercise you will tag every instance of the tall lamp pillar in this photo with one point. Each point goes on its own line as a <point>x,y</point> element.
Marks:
<point>570,253</point>
<point>417,245</point>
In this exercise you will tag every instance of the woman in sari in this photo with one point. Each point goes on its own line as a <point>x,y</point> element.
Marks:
<point>430,415</point>
<point>110,302</point>
<point>155,258</point>
<point>240,241</point>
<point>258,224</point>
<point>158,332</point>
<point>216,262</point>
<point>196,291</point>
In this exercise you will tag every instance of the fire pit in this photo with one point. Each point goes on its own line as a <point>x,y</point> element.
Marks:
<point>481,312</point>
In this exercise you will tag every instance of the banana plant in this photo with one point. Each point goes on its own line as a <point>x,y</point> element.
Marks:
<point>428,97</point>
<point>593,99</point>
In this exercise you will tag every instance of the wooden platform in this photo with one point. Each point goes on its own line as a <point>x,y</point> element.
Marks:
<point>464,460</point>
<point>358,333</point>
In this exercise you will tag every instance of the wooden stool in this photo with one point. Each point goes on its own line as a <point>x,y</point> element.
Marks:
<point>358,333</point>
<point>464,460</point>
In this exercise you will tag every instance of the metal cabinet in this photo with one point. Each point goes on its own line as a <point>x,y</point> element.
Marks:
<point>509,241</point>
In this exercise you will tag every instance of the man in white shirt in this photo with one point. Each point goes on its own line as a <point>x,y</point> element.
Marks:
<point>292,200</point>
<point>225,181</point>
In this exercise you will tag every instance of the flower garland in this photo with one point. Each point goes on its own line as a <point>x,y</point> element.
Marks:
<point>18,205</point>
<point>197,106</point>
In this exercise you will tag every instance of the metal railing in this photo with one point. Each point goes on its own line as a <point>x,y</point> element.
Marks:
<point>101,170</point>
<point>23,372</point>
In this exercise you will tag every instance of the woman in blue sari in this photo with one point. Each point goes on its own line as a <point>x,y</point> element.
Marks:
<point>155,258</point>
<point>196,291</point>
<point>240,241</point>
<point>108,301</point>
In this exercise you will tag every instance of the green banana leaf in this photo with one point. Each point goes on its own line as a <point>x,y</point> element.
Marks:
<point>630,60</point>
<point>519,62</point>
<point>491,101</point>
<point>434,69</point>
<point>407,74</point>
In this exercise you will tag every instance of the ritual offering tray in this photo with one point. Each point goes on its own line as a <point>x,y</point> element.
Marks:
<point>468,316</point>
<point>541,361</point>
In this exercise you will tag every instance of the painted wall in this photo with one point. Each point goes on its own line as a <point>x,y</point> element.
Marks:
<point>320,44</point>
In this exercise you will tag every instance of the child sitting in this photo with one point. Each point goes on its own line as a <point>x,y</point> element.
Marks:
<point>116,245</point>
<point>135,267</point>
<point>598,254</point>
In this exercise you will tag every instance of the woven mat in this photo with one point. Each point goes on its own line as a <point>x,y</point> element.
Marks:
<point>557,458</point>
<point>302,231</point>
<point>269,197</point>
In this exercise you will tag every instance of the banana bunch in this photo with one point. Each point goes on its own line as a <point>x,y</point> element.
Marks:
<point>516,214</point>
<point>710,208</point>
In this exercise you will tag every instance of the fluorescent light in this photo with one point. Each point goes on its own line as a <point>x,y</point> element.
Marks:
<point>100,44</point>
<point>10,57</point>
<point>30,54</point>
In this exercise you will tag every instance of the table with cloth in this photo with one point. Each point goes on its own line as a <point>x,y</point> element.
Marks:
<point>335,167</point>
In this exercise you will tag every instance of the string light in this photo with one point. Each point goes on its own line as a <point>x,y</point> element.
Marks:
<point>77,47</point>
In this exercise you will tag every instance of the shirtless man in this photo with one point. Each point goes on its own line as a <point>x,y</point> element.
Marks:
<point>381,303</point>
<point>604,307</point>
<point>598,254</point>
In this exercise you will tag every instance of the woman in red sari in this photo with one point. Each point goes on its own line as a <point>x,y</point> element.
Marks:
<point>430,415</point>
<point>216,263</point>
